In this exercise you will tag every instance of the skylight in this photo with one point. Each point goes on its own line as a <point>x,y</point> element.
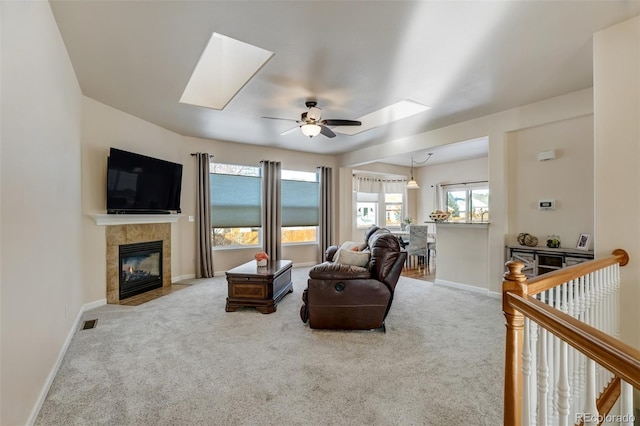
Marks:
<point>386,115</point>
<point>223,69</point>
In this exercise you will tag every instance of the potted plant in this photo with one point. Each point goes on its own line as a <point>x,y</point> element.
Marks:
<point>553,241</point>
<point>261,258</point>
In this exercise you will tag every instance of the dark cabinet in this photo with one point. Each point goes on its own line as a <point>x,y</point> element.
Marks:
<point>540,260</point>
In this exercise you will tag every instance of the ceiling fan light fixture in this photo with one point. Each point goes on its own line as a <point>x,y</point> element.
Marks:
<point>314,114</point>
<point>310,130</point>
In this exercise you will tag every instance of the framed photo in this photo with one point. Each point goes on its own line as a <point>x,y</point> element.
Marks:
<point>584,241</point>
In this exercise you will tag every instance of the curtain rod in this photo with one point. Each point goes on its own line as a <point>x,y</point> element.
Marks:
<point>465,183</point>
<point>193,154</point>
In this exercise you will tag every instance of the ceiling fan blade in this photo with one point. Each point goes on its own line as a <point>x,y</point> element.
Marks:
<point>341,122</point>
<point>327,131</point>
<point>291,130</point>
<point>278,118</point>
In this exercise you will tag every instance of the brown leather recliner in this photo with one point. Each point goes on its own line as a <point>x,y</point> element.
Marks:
<point>351,297</point>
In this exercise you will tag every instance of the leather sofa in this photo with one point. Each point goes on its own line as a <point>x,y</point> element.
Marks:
<point>349,297</point>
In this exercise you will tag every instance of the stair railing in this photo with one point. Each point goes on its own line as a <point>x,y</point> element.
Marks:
<point>564,363</point>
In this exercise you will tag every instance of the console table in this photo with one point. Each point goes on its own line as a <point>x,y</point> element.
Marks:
<point>540,260</point>
<point>261,287</point>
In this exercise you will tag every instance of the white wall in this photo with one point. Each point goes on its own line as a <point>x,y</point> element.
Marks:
<point>461,256</point>
<point>104,127</point>
<point>40,220</point>
<point>461,250</point>
<point>568,180</point>
<point>617,155</point>
<point>496,128</point>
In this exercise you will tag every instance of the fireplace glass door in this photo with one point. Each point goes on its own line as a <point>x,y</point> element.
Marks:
<point>140,268</point>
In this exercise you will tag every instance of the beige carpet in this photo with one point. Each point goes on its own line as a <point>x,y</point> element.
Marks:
<point>183,360</point>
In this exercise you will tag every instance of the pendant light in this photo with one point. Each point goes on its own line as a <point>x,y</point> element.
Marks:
<point>412,184</point>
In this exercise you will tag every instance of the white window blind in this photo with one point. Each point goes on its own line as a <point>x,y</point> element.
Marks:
<point>235,201</point>
<point>300,203</point>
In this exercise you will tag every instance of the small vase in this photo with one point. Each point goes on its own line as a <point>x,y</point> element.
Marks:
<point>553,241</point>
<point>262,262</point>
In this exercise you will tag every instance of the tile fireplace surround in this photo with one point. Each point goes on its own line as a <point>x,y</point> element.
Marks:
<point>130,234</point>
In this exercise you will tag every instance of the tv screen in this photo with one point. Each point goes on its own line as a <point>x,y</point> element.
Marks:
<point>140,184</point>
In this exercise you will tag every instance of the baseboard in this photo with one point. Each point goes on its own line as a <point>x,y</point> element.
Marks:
<point>93,305</point>
<point>56,366</point>
<point>467,287</point>
<point>182,278</point>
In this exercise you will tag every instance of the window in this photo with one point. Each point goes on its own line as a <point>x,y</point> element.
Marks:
<point>300,207</point>
<point>379,202</point>
<point>366,210</point>
<point>235,205</point>
<point>393,210</point>
<point>468,203</point>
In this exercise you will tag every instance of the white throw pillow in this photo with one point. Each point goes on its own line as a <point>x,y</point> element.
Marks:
<point>349,257</point>
<point>353,246</point>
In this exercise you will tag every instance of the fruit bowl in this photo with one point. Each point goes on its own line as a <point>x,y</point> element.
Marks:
<point>439,216</point>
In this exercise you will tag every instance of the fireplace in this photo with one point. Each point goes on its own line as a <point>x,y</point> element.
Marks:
<point>132,234</point>
<point>140,267</point>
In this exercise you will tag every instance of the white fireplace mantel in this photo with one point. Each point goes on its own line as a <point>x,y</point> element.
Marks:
<point>103,219</point>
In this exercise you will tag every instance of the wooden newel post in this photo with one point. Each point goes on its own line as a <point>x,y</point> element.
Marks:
<point>514,282</point>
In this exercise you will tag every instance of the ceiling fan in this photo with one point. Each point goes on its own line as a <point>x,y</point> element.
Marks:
<point>311,123</point>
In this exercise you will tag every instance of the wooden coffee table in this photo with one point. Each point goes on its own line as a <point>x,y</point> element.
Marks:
<point>259,287</point>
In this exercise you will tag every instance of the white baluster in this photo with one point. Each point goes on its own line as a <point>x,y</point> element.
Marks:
<point>626,403</point>
<point>526,373</point>
<point>543,376</point>
<point>533,385</point>
<point>551,363</point>
<point>588,311</point>
<point>571,352</point>
<point>609,297</point>
<point>581,358</point>
<point>590,408</point>
<point>556,359</point>
<point>564,393</point>
<point>602,378</point>
<point>581,299</point>
<point>616,299</point>
<point>605,299</point>
<point>599,301</point>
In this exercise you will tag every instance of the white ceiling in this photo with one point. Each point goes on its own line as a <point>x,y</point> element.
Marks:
<point>463,59</point>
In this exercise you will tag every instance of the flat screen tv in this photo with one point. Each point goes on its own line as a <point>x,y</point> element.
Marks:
<point>140,184</point>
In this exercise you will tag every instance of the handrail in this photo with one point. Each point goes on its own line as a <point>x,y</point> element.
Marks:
<point>616,356</point>
<point>551,279</point>
<point>619,358</point>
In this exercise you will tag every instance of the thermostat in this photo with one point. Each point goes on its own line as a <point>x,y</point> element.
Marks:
<point>546,204</point>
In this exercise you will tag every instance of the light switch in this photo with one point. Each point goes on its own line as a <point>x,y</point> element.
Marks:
<point>192,218</point>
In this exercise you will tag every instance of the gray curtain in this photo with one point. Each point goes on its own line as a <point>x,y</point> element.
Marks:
<point>271,209</point>
<point>326,209</point>
<point>204,249</point>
